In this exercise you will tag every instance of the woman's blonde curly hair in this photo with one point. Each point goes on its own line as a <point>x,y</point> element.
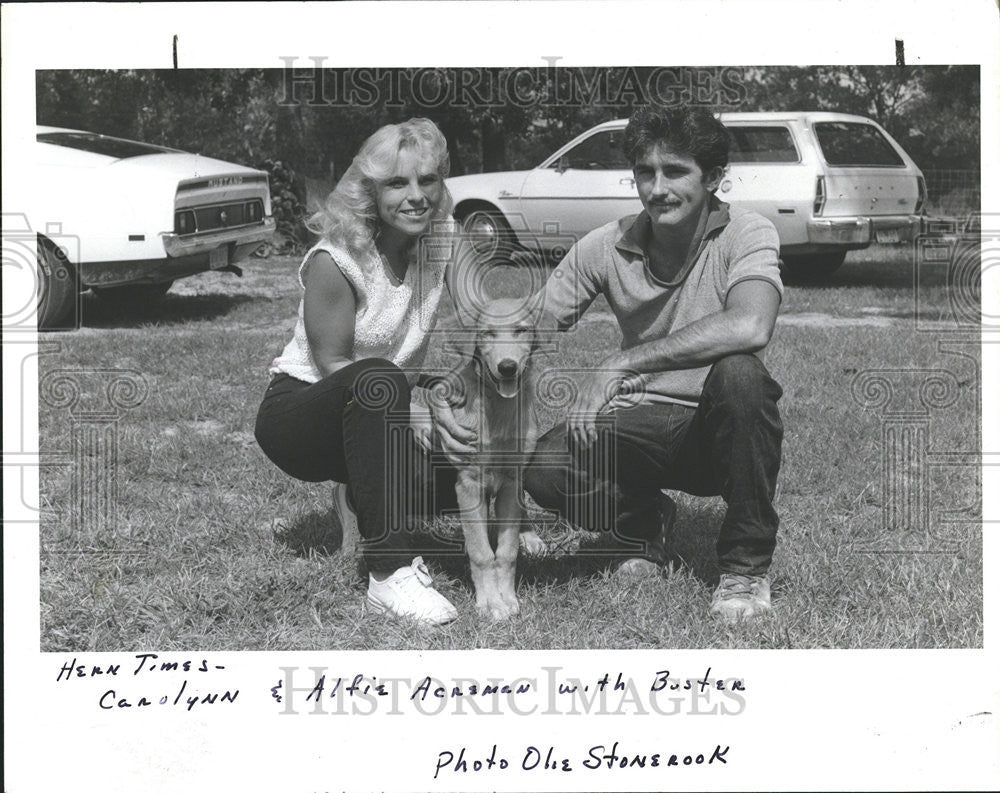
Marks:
<point>349,215</point>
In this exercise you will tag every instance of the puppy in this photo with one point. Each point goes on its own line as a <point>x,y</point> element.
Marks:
<point>499,391</point>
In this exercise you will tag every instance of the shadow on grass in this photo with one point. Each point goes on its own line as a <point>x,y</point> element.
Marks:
<point>313,533</point>
<point>893,269</point>
<point>168,310</point>
<point>320,533</point>
<point>694,541</point>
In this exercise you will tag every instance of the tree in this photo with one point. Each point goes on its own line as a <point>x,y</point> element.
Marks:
<point>243,114</point>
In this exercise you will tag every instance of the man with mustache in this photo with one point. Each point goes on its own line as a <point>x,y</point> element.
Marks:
<point>695,288</point>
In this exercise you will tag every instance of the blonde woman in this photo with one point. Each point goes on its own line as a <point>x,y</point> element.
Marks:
<point>371,294</point>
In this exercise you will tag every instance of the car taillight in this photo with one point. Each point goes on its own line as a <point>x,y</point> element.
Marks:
<point>184,222</point>
<point>254,212</point>
<point>921,194</point>
<point>820,200</point>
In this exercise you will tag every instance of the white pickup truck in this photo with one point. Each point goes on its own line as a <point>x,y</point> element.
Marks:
<point>830,183</point>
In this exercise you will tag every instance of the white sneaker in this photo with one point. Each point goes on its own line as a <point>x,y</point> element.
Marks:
<point>349,532</point>
<point>409,593</point>
<point>741,596</point>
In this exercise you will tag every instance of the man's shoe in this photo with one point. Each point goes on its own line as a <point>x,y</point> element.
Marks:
<point>657,555</point>
<point>409,593</point>
<point>345,516</point>
<point>741,597</point>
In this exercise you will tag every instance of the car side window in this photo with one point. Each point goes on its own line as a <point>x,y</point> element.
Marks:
<point>853,144</point>
<point>600,152</point>
<point>761,144</point>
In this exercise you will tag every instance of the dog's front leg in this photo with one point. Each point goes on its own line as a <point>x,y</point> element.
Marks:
<point>482,562</point>
<point>510,518</point>
<point>531,543</point>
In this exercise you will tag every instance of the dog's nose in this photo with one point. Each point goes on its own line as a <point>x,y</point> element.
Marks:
<point>507,367</point>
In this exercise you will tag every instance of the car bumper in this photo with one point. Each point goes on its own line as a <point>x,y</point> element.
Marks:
<point>176,245</point>
<point>862,231</point>
<point>185,257</point>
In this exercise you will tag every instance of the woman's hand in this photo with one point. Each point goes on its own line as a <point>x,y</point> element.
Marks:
<point>454,439</point>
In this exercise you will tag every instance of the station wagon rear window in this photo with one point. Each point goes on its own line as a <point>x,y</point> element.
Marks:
<point>850,144</point>
<point>762,144</point>
<point>98,144</point>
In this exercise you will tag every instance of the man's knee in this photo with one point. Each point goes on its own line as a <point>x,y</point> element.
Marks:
<point>540,483</point>
<point>544,478</point>
<point>742,384</point>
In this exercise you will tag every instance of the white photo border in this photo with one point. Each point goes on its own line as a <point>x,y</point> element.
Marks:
<point>814,719</point>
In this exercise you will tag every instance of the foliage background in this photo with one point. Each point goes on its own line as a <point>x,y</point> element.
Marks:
<point>245,116</point>
<point>238,114</point>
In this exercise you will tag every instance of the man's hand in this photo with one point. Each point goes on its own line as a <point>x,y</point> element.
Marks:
<point>597,390</point>
<point>422,426</point>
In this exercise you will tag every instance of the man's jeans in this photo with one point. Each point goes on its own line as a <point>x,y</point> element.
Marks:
<point>730,445</point>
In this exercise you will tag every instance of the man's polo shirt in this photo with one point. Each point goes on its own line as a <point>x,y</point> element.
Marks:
<point>737,246</point>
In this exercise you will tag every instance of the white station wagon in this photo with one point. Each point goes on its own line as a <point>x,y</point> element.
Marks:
<point>126,219</point>
<point>830,183</point>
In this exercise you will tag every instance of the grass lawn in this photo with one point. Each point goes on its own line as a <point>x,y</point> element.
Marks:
<point>214,548</point>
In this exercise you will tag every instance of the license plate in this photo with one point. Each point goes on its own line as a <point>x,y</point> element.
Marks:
<point>887,236</point>
<point>219,257</point>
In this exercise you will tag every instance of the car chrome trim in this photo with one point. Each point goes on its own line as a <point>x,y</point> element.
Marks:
<point>860,230</point>
<point>177,245</point>
<point>223,180</point>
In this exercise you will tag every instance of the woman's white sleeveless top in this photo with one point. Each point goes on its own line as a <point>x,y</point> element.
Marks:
<point>390,321</point>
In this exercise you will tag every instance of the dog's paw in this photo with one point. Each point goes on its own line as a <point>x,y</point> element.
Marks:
<point>510,600</point>
<point>497,609</point>
<point>531,543</point>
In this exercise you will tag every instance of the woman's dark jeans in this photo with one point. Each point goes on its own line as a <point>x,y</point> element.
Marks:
<point>353,427</point>
<point>730,445</point>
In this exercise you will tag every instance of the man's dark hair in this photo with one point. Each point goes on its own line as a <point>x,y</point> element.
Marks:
<point>692,131</point>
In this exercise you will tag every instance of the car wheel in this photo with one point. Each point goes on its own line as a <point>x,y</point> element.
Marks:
<point>491,235</point>
<point>132,292</point>
<point>811,267</point>
<point>57,289</point>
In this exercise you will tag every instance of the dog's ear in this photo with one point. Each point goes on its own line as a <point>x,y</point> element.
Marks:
<point>472,352</point>
<point>535,341</point>
<point>476,356</point>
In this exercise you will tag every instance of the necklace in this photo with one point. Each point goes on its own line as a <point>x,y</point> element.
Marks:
<point>390,272</point>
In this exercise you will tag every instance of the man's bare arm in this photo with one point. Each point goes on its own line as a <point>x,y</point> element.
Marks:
<point>745,325</point>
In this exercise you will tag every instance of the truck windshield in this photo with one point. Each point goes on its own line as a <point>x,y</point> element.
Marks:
<point>98,144</point>
<point>851,144</point>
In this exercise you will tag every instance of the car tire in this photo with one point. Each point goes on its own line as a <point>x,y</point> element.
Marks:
<point>811,267</point>
<point>132,292</point>
<point>58,291</point>
<point>492,237</point>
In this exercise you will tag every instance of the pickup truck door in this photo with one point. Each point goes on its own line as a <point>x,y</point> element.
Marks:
<point>585,187</point>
